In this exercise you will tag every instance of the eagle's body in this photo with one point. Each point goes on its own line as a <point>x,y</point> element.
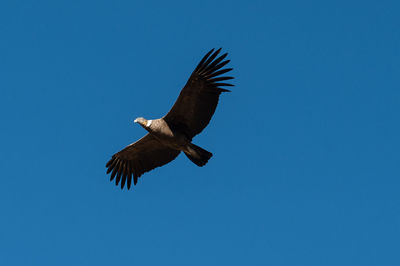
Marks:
<point>165,135</point>
<point>173,133</point>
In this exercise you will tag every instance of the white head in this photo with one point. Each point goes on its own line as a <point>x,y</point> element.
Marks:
<point>143,122</point>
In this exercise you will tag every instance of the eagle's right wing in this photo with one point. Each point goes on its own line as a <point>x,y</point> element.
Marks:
<point>198,100</point>
<point>137,158</point>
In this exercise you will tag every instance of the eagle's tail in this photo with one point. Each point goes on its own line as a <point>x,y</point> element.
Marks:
<point>197,155</point>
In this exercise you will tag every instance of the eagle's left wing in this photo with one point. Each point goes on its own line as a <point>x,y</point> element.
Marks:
<point>137,158</point>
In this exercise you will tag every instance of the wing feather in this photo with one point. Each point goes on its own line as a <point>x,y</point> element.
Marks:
<point>123,176</point>
<point>203,59</point>
<point>114,172</point>
<point>220,72</point>
<point>209,60</point>
<point>129,177</point>
<point>216,61</point>
<point>221,79</point>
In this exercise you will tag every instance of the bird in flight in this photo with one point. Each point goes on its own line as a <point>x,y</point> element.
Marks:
<point>173,133</point>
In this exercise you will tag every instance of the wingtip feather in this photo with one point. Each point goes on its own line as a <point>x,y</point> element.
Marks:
<point>204,59</point>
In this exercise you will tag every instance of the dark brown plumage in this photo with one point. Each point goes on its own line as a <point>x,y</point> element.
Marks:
<point>173,133</point>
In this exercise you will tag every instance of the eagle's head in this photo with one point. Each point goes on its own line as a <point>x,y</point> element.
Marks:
<point>143,122</point>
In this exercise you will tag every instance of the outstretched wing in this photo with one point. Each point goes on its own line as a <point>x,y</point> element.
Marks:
<point>198,100</point>
<point>137,158</point>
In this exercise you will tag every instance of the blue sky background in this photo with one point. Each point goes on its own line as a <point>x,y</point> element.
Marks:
<point>306,166</point>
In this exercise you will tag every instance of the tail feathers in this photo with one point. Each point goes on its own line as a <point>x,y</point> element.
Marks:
<point>197,155</point>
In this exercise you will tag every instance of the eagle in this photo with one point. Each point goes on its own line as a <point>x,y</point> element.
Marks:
<point>172,134</point>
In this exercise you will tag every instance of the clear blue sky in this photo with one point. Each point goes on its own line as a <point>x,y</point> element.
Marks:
<point>306,166</point>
